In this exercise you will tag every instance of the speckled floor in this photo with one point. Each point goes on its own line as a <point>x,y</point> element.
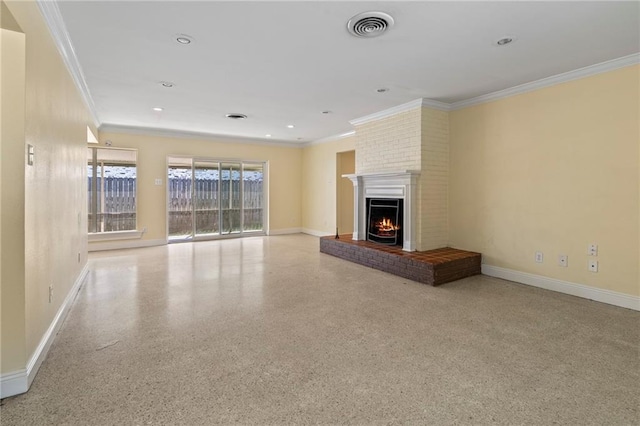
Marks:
<point>270,331</point>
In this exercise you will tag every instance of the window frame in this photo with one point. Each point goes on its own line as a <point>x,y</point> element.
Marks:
<point>109,235</point>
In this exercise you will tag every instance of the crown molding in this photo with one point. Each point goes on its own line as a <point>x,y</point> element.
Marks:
<point>184,134</point>
<point>588,71</point>
<point>331,138</point>
<point>417,103</point>
<point>52,17</point>
<point>430,103</point>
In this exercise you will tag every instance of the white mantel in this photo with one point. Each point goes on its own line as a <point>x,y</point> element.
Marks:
<point>400,184</point>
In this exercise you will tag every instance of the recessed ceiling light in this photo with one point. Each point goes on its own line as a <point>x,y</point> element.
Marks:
<point>158,109</point>
<point>290,126</point>
<point>504,41</point>
<point>382,90</point>
<point>166,84</point>
<point>236,116</point>
<point>267,136</point>
<point>184,39</point>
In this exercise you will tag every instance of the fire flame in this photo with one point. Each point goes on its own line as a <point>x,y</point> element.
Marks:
<point>386,225</point>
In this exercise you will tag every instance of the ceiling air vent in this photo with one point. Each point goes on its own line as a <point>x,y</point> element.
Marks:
<point>369,24</point>
<point>235,116</point>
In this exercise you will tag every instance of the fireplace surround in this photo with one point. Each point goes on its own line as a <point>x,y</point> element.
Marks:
<point>397,185</point>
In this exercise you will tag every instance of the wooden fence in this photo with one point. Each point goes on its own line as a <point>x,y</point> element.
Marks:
<point>207,201</point>
<point>117,206</point>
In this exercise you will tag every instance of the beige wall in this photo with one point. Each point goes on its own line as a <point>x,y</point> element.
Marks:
<point>54,230</point>
<point>12,303</point>
<point>552,170</point>
<point>319,185</point>
<point>285,175</point>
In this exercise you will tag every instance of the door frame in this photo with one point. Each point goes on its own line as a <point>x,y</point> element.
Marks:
<point>219,161</point>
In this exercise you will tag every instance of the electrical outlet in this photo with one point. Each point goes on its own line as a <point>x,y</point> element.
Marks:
<point>592,250</point>
<point>593,265</point>
<point>50,293</point>
<point>563,260</point>
<point>539,257</point>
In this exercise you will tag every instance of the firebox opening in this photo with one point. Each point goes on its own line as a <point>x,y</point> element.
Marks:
<point>384,218</point>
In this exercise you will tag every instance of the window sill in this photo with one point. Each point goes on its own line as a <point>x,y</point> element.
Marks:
<point>115,235</point>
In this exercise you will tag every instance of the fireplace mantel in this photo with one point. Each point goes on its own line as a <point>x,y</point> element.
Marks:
<point>400,184</point>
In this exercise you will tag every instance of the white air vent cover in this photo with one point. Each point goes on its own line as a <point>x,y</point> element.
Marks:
<point>369,24</point>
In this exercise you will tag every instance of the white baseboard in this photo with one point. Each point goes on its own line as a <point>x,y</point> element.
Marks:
<point>125,244</point>
<point>580,290</point>
<point>19,382</point>
<point>316,233</point>
<point>285,231</point>
<point>13,383</point>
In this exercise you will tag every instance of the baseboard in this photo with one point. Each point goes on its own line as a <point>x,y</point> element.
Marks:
<point>19,382</point>
<point>13,383</point>
<point>315,233</point>
<point>45,343</point>
<point>125,244</point>
<point>580,290</point>
<point>285,231</point>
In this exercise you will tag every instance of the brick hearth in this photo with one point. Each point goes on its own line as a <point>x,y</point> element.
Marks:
<point>433,267</point>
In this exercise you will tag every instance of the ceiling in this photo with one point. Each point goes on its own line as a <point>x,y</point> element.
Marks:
<point>283,63</point>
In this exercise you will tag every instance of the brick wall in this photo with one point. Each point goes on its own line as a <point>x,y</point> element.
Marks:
<point>434,180</point>
<point>389,144</point>
<point>417,139</point>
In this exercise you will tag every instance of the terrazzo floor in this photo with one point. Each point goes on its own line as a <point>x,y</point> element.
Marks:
<point>267,330</point>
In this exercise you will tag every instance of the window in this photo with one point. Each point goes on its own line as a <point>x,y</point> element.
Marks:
<point>111,189</point>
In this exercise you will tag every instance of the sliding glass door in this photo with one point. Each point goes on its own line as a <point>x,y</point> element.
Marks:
<point>230,180</point>
<point>208,198</point>
<point>206,184</point>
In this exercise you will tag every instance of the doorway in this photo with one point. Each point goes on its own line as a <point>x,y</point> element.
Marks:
<point>345,164</point>
<point>210,198</point>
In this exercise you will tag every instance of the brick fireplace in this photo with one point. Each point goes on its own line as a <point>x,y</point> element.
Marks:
<point>402,159</point>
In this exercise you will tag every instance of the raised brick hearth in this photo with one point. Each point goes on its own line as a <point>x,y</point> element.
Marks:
<point>433,267</point>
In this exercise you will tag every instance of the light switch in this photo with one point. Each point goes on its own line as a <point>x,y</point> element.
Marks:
<point>158,181</point>
<point>30,154</point>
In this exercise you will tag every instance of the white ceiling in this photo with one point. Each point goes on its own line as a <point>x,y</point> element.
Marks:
<point>284,63</point>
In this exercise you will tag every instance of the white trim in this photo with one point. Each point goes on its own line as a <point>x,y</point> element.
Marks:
<point>430,103</point>
<point>47,339</point>
<point>13,383</point>
<point>600,68</point>
<point>330,138</point>
<point>416,103</point>
<point>125,244</point>
<point>53,18</point>
<point>580,290</point>
<point>315,232</point>
<point>19,382</point>
<point>185,134</point>
<point>284,231</point>
<point>115,235</point>
<point>397,184</point>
